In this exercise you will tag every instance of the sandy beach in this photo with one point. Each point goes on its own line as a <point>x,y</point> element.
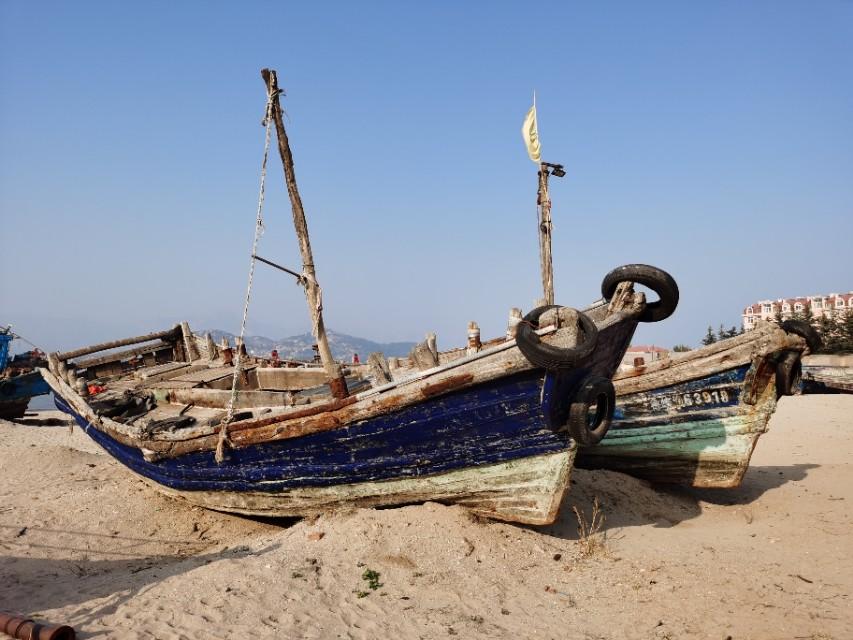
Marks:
<point>84,542</point>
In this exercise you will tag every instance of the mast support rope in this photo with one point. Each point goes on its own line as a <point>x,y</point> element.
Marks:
<point>259,230</point>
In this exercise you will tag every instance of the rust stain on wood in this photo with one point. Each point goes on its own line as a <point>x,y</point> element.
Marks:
<point>453,382</point>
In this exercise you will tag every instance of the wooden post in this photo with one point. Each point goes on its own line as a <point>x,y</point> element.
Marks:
<point>512,326</point>
<point>211,346</point>
<point>189,342</point>
<point>312,289</point>
<point>544,210</point>
<point>474,344</point>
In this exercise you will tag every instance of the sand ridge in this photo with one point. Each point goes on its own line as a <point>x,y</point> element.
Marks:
<point>84,542</point>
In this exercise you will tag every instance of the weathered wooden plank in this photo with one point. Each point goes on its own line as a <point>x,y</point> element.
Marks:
<point>379,370</point>
<point>190,346</point>
<point>116,356</point>
<point>218,398</point>
<point>278,379</point>
<point>695,364</point>
<point>75,353</point>
<point>165,371</point>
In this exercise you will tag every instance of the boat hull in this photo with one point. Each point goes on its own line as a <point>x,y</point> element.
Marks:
<point>695,420</point>
<point>15,394</point>
<point>656,436</point>
<point>527,490</point>
<point>488,448</point>
<point>828,374</point>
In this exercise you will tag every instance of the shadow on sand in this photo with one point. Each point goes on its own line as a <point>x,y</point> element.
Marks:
<point>629,502</point>
<point>31,585</point>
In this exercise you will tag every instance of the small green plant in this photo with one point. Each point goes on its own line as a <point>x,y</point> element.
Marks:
<point>372,578</point>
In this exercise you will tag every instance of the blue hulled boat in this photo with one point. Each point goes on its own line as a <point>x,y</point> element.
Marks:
<point>19,380</point>
<point>695,419</point>
<point>492,430</point>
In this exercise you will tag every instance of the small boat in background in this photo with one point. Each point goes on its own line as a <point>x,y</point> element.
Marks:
<point>828,373</point>
<point>694,419</point>
<point>19,378</point>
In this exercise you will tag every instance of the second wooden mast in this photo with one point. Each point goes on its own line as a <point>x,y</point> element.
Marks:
<point>313,293</point>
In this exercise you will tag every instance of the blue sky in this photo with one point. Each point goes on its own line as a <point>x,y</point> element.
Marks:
<point>712,139</point>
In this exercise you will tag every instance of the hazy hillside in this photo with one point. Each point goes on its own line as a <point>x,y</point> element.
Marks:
<point>299,347</point>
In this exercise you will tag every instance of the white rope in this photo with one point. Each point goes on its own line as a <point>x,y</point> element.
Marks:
<point>259,230</point>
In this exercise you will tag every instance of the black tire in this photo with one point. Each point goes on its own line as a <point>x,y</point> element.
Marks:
<point>656,279</point>
<point>804,330</point>
<point>548,356</point>
<point>597,392</point>
<point>789,374</point>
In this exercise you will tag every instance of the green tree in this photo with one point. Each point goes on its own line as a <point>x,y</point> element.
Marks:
<point>824,328</point>
<point>830,332</point>
<point>777,317</point>
<point>845,330</point>
<point>731,333</point>
<point>710,338</point>
<point>681,348</point>
<point>722,334</point>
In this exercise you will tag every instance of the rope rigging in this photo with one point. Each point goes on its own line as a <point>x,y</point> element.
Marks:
<point>259,230</point>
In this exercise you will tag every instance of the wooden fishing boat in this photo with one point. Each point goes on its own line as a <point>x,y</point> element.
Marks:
<point>495,429</point>
<point>828,373</point>
<point>694,419</point>
<point>492,430</point>
<point>19,379</point>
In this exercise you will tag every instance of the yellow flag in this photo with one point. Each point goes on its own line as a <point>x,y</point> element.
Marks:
<point>530,133</point>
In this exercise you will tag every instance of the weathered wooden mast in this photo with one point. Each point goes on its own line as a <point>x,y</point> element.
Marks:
<point>544,209</point>
<point>312,289</point>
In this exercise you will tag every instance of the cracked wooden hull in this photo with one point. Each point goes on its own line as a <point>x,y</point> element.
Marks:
<point>527,490</point>
<point>486,430</point>
<point>488,448</point>
<point>701,445</point>
<point>695,420</point>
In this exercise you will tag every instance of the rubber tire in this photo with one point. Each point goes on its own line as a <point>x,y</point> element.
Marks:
<point>789,374</point>
<point>656,279</point>
<point>591,391</point>
<point>547,356</point>
<point>804,330</point>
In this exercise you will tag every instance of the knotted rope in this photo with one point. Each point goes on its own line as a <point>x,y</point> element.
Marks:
<point>259,230</point>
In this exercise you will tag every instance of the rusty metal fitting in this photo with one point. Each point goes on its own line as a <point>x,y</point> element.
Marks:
<point>338,386</point>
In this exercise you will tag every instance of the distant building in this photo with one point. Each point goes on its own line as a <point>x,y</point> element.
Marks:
<point>642,355</point>
<point>835,303</point>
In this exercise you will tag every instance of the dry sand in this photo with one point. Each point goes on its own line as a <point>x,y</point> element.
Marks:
<point>84,542</point>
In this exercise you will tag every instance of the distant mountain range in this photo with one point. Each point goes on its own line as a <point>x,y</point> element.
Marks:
<point>299,347</point>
